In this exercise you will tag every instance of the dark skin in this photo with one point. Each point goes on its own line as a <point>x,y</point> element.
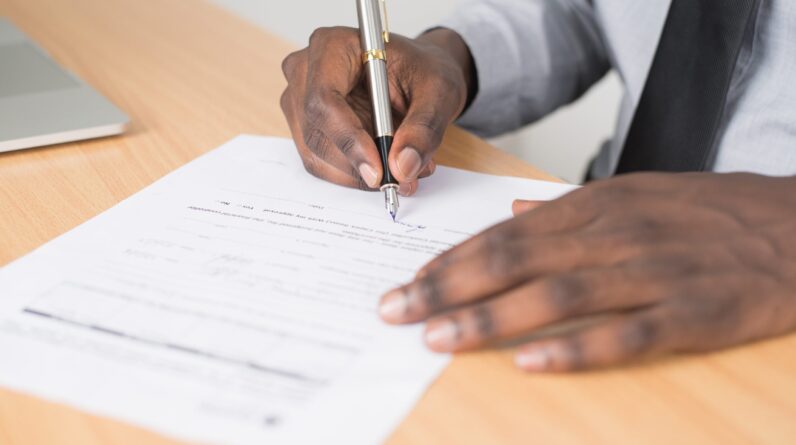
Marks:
<point>328,108</point>
<point>686,262</point>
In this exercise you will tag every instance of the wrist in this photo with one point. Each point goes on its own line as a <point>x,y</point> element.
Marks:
<point>454,45</point>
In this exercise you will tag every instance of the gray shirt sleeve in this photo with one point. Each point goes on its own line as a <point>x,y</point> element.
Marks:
<point>532,56</point>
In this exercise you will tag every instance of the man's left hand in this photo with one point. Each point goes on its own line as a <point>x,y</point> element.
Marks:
<point>680,262</point>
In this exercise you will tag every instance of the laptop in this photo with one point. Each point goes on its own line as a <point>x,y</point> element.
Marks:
<point>43,104</point>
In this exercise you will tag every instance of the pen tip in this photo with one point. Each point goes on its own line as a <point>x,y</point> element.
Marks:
<point>393,216</point>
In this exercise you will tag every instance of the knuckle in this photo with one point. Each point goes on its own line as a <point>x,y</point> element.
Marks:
<point>328,34</point>
<point>289,64</point>
<point>504,256</point>
<point>320,35</point>
<point>316,109</point>
<point>317,142</point>
<point>484,322</point>
<point>348,37</point>
<point>495,240</point>
<point>334,35</point>
<point>430,293</point>
<point>346,142</point>
<point>568,294</point>
<point>640,335</point>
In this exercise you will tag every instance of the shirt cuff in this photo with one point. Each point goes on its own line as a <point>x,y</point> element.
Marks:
<point>497,64</point>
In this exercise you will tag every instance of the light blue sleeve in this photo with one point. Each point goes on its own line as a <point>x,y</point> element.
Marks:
<point>532,56</point>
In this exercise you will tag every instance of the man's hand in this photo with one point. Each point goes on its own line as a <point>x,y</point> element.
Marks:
<point>682,262</point>
<point>329,112</point>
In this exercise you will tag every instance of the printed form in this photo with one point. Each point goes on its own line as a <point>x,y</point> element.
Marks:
<point>234,300</point>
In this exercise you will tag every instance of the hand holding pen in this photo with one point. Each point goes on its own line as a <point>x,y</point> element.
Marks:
<point>330,112</point>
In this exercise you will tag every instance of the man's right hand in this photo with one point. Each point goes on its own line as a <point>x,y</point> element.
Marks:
<point>330,114</point>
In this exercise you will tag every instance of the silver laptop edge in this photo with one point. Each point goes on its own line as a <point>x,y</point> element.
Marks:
<point>42,103</point>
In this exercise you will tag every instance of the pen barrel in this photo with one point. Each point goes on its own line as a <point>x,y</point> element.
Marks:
<point>371,31</point>
<point>370,25</point>
<point>372,35</point>
<point>384,143</point>
<point>376,73</point>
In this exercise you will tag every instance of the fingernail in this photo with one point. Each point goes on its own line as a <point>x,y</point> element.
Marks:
<point>442,336</point>
<point>532,359</point>
<point>409,163</point>
<point>368,174</point>
<point>393,307</point>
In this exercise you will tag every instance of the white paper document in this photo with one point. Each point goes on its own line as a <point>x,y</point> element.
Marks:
<point>234,300</point>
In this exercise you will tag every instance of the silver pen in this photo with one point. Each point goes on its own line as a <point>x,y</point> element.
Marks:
<point>374,34</point>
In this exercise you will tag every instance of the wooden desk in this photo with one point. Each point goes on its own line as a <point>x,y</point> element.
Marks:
<point>191,77</point>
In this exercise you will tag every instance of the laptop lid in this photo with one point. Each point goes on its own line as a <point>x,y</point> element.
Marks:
<point>42,103</point>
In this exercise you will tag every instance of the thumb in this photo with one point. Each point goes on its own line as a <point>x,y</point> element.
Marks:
<point>521,206</point>
<point>432,108</point>
<point>416,139</point>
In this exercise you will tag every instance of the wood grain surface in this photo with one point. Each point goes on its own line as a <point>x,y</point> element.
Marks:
<point>191,77</point>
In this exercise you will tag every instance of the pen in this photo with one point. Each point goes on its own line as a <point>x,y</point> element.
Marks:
<point>374,34</point>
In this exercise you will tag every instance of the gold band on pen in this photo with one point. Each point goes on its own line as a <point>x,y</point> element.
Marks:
<point>374,54</point>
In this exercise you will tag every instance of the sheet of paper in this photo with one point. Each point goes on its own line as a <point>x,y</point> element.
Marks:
<point>234,301</point>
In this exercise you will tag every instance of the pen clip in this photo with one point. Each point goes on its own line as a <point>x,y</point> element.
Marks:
<point>386,32</point>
